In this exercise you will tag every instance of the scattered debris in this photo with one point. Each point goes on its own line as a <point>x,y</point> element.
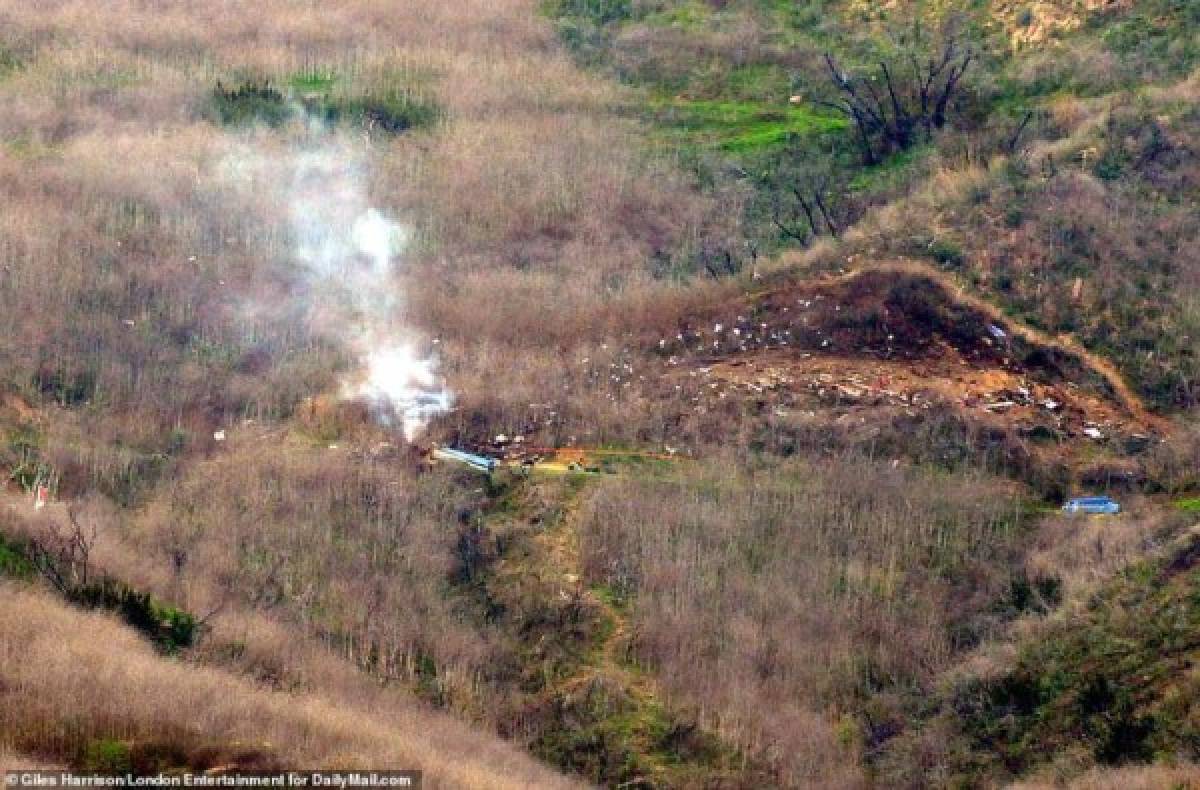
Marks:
<point>41,496</point>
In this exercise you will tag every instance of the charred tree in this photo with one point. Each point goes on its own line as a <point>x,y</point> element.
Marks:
<point>803,195</point>
<point>904,97</point>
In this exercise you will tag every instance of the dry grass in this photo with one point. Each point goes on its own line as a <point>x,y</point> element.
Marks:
<point>56,659</point>
<point>1184,776</point>
<point>1085,552</point>
<point>17,762</point>
<point>138,311</point>
<point>771,600</point>
<point>529,193</point>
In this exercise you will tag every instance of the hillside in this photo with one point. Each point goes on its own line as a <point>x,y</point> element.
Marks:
<point>788,327</point>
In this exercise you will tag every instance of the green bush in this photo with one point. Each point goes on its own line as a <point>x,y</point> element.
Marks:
<point>261,102</point>
<point>13,561</point>
<point>947,252</point>
<point>9,62</point>
<point>106,756</point>
<point>1113,681</point>
<point>250,102</point>
<point>391,113</point>
<point>171,629</point>
<point>597,12</point>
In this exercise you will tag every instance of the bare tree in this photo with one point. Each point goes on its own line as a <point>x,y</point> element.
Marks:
<point>62,555</point>
<point>891,106</point>
<point>804,195</point>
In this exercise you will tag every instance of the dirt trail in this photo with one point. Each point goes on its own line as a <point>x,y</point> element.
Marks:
<point>611,723</point>
<point>606,664</point>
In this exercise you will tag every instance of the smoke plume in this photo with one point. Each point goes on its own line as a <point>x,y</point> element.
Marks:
<point>348,254</point>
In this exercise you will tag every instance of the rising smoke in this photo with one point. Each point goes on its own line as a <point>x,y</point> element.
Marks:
<point>347,254</point>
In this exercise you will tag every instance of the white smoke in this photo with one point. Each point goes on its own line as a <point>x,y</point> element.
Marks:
<point>349,254</point>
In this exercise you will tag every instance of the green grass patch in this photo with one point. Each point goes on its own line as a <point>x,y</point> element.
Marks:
<point>9,62</point>
<point>762,82</point>
<point>1189,505</point>
<point>739,127</point>
<point>318,94</point>
<point>1161,32</point>
<point>596,12</point>
<point>313,80</point>
<point>893,172</point>
<point>692,16</point>
<point>392,112</point>
<point>609,596</point>
<point>250,102</point>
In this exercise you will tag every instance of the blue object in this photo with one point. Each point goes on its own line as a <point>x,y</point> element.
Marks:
<point>1092,504</point>
<point>480,462</point>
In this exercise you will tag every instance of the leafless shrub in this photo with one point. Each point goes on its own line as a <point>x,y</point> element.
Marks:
<point>54,658</point>
<point>61,553</point>
<point>767,599</point>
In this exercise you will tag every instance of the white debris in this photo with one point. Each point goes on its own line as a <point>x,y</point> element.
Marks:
<point>997,332</point>
<point>1093,433</point>
<point>219,436</point>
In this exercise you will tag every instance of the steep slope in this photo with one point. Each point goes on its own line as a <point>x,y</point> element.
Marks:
<point>124,703</point>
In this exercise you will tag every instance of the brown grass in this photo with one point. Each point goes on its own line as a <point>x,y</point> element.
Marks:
<point>791,608</point>
<point>138,314</point>
<point>56,659</point>
<point>1184,776</point>
<point>768,600</point>
<point>529,193</point>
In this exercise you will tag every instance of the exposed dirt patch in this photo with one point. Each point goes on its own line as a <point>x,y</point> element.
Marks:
<point>901,339</point>
<point>1056,410</point>
<point>1029,23</point>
